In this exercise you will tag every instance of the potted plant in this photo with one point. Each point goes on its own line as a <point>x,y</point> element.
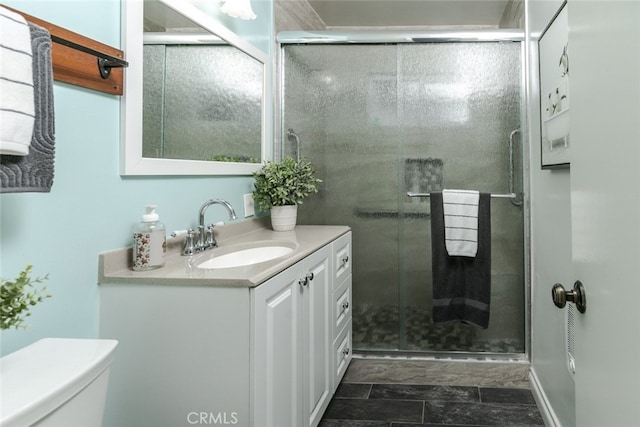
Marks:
<point>18,296</point>
<point>281,187</point>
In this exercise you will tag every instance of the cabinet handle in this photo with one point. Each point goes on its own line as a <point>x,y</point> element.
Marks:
<point>345,260</point>
<point>305,280</point>
<point>346,351</point>
<point>345,305</point>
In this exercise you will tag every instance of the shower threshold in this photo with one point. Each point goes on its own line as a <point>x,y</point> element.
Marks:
<point>449,356</point>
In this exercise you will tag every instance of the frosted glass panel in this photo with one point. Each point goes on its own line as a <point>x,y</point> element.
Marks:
<point>153,101</point>
<point>379,120</point>
<point>202,103</point>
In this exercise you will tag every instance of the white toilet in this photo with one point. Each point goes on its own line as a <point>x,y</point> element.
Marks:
<point>56,382</point>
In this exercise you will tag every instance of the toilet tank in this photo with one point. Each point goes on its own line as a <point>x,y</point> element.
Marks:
<point>56,382</point>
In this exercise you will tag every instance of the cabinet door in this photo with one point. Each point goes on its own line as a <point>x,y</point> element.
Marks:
<point>342,307</point>
<point>316,336</point>
<point>275,359</point>
<point>342,353</point>
<point>342,257</point>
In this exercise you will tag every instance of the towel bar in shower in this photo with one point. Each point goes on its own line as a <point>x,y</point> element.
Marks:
<point>495,196</point>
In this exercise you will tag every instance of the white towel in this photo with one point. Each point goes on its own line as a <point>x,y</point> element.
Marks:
<point>16,85</point>
<point>461,222</point>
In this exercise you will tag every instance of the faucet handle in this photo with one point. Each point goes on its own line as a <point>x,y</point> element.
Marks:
<point>189,243</point>
<point>210,240</point>
<point>179,233</point>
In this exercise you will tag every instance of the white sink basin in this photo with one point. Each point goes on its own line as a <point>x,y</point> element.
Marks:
<point>244,257</point>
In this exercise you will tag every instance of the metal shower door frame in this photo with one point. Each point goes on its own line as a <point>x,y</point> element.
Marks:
<point>434,36</point>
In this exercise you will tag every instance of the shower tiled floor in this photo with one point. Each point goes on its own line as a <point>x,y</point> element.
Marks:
<point>377,327</point>
<point>403,393</point>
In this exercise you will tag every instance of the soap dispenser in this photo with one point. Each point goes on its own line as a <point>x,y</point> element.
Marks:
<point>149,241</point>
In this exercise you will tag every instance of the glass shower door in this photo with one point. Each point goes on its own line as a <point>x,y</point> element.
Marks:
<point>378,120</point>
<point>342,105</point>
<point>457,105</point>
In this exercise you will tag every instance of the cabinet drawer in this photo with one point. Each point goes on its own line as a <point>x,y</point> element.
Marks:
<point>342,258</point>
<point>342,354</point>
<point>342,306</point>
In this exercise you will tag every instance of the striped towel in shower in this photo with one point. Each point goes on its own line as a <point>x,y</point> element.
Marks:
<point>461,222</point>
<point>461,285</point>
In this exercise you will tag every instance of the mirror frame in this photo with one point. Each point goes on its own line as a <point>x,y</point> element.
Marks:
<point>131,161</point>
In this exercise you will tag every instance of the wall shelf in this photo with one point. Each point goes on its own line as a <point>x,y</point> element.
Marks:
<point>81,61</point>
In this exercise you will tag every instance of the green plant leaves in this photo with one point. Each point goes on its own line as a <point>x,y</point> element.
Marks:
<point>285,183</point>
<point>18,296</point>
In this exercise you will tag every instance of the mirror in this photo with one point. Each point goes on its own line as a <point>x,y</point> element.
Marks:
<point>194,103</point>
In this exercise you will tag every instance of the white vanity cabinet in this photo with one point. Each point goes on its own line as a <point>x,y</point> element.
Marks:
<point>302,338</point>
<point>269,355</point>
<point>291,359</point>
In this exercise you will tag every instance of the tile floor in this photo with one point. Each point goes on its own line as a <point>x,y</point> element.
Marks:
<point>404,393</point>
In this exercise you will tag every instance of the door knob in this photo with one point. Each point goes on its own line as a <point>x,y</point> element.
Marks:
<point>578,296</point>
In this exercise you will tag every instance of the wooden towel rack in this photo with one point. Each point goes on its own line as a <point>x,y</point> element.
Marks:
<point>82,61</point>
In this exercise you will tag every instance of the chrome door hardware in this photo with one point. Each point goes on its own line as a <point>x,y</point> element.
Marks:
<point>305,280</point>
<point>578,296</point>
<point>512,168</point>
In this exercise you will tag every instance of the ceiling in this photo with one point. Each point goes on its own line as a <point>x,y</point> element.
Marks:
<point>370,13</point>
<point>419,13</point>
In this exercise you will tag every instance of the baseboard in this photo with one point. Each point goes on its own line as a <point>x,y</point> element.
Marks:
<point>546,410</point>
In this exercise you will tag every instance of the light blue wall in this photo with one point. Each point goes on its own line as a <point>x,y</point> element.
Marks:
<point>90,209</point>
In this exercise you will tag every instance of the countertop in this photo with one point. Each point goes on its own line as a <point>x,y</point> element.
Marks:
<point>115,266</point>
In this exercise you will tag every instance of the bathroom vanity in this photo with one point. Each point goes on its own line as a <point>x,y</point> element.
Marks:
<point>259,345</point>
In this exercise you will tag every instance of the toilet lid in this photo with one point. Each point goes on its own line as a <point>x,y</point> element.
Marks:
<point>42,376</point>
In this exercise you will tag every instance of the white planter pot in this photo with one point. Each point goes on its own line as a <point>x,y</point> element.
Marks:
<point>283,218</point>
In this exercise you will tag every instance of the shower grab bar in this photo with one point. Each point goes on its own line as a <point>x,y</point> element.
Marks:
<point>493,196</point>
<point>512,167</point>
<point>293,137</point>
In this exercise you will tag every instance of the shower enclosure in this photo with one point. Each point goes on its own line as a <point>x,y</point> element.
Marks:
<point>378,120</point>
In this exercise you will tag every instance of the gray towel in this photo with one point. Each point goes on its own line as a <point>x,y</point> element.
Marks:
<point>34,172</point>
<point>461,285</point>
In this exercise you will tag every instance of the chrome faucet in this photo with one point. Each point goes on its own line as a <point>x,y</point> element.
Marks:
<point>202,239</point>
<point>205,236</point>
